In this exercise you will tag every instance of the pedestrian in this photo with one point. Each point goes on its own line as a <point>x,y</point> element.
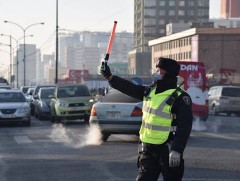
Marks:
<point>166,121</point>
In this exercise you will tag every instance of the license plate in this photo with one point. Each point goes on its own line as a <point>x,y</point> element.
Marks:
<point>113,115</point>
<point>8,116</point>
<point>75,108</point>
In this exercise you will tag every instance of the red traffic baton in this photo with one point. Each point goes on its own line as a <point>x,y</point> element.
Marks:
<point>110,41</point>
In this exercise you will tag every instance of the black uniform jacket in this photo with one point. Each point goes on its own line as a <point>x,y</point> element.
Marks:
<point>182,107</point>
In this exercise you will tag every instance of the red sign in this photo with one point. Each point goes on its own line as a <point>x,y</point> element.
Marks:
<point>77,74</point>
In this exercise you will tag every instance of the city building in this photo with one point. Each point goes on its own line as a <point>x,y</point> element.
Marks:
<point>85,50</point>
<point>30,64</point>
<point>150,20</point>
<point>217,48</point>
<point>230,9</point>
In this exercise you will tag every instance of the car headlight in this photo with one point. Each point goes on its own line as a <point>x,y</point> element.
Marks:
<point>62,104</point>
<point>23,110</point>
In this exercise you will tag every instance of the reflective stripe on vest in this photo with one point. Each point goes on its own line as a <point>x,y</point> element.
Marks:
<point>158,111</point>
<point>157,117</point>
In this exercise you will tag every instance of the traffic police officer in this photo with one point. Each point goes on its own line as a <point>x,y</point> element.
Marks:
<point>166,122</point>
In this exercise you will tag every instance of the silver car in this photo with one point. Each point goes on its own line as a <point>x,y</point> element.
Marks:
<point>224,99</point>
<point>14,107</point>
<point>117,113</point>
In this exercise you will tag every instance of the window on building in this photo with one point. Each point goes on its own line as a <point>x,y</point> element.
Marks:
<point>189,41</point>
<point>149,21</point>
<point>150,3</point>
<point>162,12</point>
<point>162,31</point>
<point>162,22</point>
<point>181,12</point>
<point>149,30</point>
<point>189,55</point>
<point>162,3</point>
<point>180,43</point>
<point>171,13</point>
<point>203,3</point>
<point>181,3</point>
<point>202,12</point>
<point>191,12</point>
<point>190,3</point>
<point>149,12</point>
<point>171,3</point>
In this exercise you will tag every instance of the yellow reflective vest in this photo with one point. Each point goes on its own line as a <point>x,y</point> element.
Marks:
<point>157,117</point>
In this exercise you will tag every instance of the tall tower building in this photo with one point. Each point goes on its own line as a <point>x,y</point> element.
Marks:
<point>230,9</point>
<point>150,20</point>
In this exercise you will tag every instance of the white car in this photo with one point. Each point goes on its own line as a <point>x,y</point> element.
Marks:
<point>14,107</point>
<point>117,113</point>
<point>224,99</point>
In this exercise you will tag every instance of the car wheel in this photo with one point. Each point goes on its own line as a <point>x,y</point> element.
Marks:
<point>56,118</point>
<point>105,136</point>
<point>35,114</point>
<point>86,119</point>
<point>32,110</point>
<point>40,116</point>
<point>214,110</point>
<point>52,118</point>
<point>28,123</point>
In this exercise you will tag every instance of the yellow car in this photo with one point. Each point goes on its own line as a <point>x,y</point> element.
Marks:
<point>70,102</point>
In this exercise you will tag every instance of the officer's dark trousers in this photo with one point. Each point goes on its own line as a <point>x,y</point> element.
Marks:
<point>153,161</point>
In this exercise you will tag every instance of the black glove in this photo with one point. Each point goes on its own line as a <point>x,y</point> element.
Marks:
<point>105,70</point>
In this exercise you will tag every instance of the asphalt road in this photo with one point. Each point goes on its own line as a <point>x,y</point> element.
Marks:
<point>74,152</point>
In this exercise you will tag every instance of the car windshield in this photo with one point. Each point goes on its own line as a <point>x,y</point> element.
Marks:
<point>45,93</point>
<point>25,89</point>
<point>12,97</point>
<point>231,92</point>
<point>116,96</point>
<point>72,91</point>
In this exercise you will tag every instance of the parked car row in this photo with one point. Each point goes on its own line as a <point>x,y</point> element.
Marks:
<point>114,113</point>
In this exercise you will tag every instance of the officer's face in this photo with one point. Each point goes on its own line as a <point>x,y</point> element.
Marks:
<point>161,71</point>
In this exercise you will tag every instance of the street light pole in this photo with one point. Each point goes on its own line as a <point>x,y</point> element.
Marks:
<point>24,45</point>
<point>10,63</point>
<point>16,41</point>
<point>56,66</point>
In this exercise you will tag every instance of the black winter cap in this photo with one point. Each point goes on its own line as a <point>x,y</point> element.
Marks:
<point>170,65</point>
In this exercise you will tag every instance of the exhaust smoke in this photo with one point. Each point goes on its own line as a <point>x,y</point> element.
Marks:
<point>72,138</point>
<point>198,124</point>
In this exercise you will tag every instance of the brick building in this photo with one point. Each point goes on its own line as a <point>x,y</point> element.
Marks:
<point>217,48</point>
<point>230,9</point>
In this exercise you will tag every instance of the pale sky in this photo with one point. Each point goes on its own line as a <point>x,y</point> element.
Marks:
<point>76,15</point>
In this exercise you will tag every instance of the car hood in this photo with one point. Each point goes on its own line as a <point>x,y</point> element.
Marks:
<point>13,105</point>
<point>47,101</point>
<point>74,99</point>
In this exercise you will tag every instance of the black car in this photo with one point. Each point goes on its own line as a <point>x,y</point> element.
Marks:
<point>42,103</point>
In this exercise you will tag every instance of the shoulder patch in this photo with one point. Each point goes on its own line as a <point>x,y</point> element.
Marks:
<point>186,99</point>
